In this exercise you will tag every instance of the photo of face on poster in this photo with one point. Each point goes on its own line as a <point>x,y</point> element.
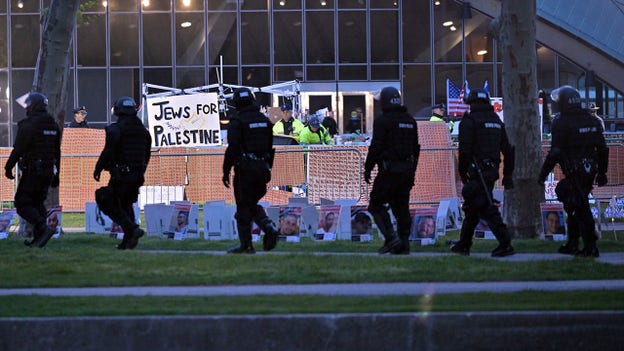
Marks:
<point>289,225</point>
<point>328,223</point>
<point>361,224</point>
<point>6,218</point>
<point>423,224</point>
<point>53,220</point>
<point>179,223</point>
<point>553,219</point>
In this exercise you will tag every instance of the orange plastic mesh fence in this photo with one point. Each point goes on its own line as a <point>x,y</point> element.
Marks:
<point>328,172</point>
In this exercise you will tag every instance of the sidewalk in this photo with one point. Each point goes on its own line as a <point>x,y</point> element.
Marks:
<point>364,289</point>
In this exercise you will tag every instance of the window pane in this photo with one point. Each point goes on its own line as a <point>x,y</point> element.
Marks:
<point>353,73</point>
<point>320,73</point>
<point>156,5</point>
<point>351,4</point>
<point>254,38</point>
<point>190,39</point>
<point>570,74</point>
<point>385,72</point>
<point>124,82</point>
<point>26,6</point>
<point>255,5</point>
<point>91,40</point>
<point>222,37</point>
<point>416,44</point>
<point>316,4</point>
<point>417,89</point>
<point>447,27</point>
<point>221,5</point>
<point>158,76</point>
<point>4,100</point>
<point>287,40</point>
<point>478,41</point>
<point>123,5</point>
<point>189,5</point>
<point>379,4</point>
<point>320,37</point>
<point>546,68</point>
<point>157,39</point>
<point>92,6</point>
<point>3,7</point>
<point>477,74</point>
<point>256,76</point>
<point>230,75</point>
<point>4,62</point>
<point>25,31</point>
<point>285,5</point>
<point>286,73</point>
<point>352,26</point>
<point>124,40</point>
<point>21,84</point>
<point>384,36</point>
<point>189,77</point>
<point>92,83</point>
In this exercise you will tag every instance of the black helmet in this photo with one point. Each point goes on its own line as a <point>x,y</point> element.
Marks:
<point>243,97</point>
<point>36,102</point>
<point>125,106</point>
<point>389,96</point>
<point>567,98</point>
<point>477,95</point>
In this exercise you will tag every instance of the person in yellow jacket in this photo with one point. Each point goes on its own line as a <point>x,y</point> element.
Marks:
<point>437,115</point>
<point>315,133</point>
<point>288,125</point>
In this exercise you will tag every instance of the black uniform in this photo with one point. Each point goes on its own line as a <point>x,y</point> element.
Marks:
<point>125,155</point>
<point>395,150</point>
<point>250,151</point>
<point>482,138</point>
<point>74,124</point>
<point>37,148</point>
<point>579,147</point>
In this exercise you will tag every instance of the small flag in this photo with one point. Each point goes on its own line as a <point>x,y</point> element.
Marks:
<point>486,87</point>
<point>455,99</point>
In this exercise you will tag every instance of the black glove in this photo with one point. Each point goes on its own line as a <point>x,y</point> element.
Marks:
<point>367,177</point>
<point>464,178</point>
<point>508,183</point>
<point>96,175</point>
<point>8,172</point>
<point>55,181</point>
<point>601,179</point>
<point>541,179</point>
<point>226,180</point>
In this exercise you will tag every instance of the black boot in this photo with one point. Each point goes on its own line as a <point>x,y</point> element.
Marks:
<point>42,234</point>
<point>570,248</point>
<point>269,241</point>
<point>244,236</point>
<point>404,249</point>
<point>391,244</point>
<point>133,239</point>
<point>243,248</point>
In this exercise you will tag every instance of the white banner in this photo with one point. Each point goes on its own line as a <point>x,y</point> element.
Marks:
<point>184,120</point>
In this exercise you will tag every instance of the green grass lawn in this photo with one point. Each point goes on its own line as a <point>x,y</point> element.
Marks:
<point>88,260</point>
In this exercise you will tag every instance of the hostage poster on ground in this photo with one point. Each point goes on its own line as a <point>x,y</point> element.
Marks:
<point>184,120</point>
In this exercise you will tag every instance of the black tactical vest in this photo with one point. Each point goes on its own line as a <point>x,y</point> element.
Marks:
<point>45,136</point>
<point>257,132</point>
<point>133,143</point>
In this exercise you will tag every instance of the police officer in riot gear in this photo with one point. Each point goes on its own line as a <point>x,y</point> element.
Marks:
<point>250,152</point>
<point>125,156</point>
<point>37,151</point>
<point>394,149</point>
<point>482,138</point>
<point>579,147</point>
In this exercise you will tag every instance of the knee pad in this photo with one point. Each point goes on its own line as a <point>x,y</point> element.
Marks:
<point>104,199</point>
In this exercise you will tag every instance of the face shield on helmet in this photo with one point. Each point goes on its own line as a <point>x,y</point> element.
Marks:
<point>477,95</point>
<point>388,97</point>
<point>567,98</point>
<point>243,97</point>
<point>36,102</point>
<point>125,106</point>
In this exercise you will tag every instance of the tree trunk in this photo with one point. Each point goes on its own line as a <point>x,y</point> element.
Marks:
<point>53,64</point>
<point>515,31</point>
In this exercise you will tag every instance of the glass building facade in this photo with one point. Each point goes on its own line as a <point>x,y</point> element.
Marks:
<point>341,50</point>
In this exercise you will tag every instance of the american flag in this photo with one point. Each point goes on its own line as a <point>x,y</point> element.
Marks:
<point>455,99</point>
